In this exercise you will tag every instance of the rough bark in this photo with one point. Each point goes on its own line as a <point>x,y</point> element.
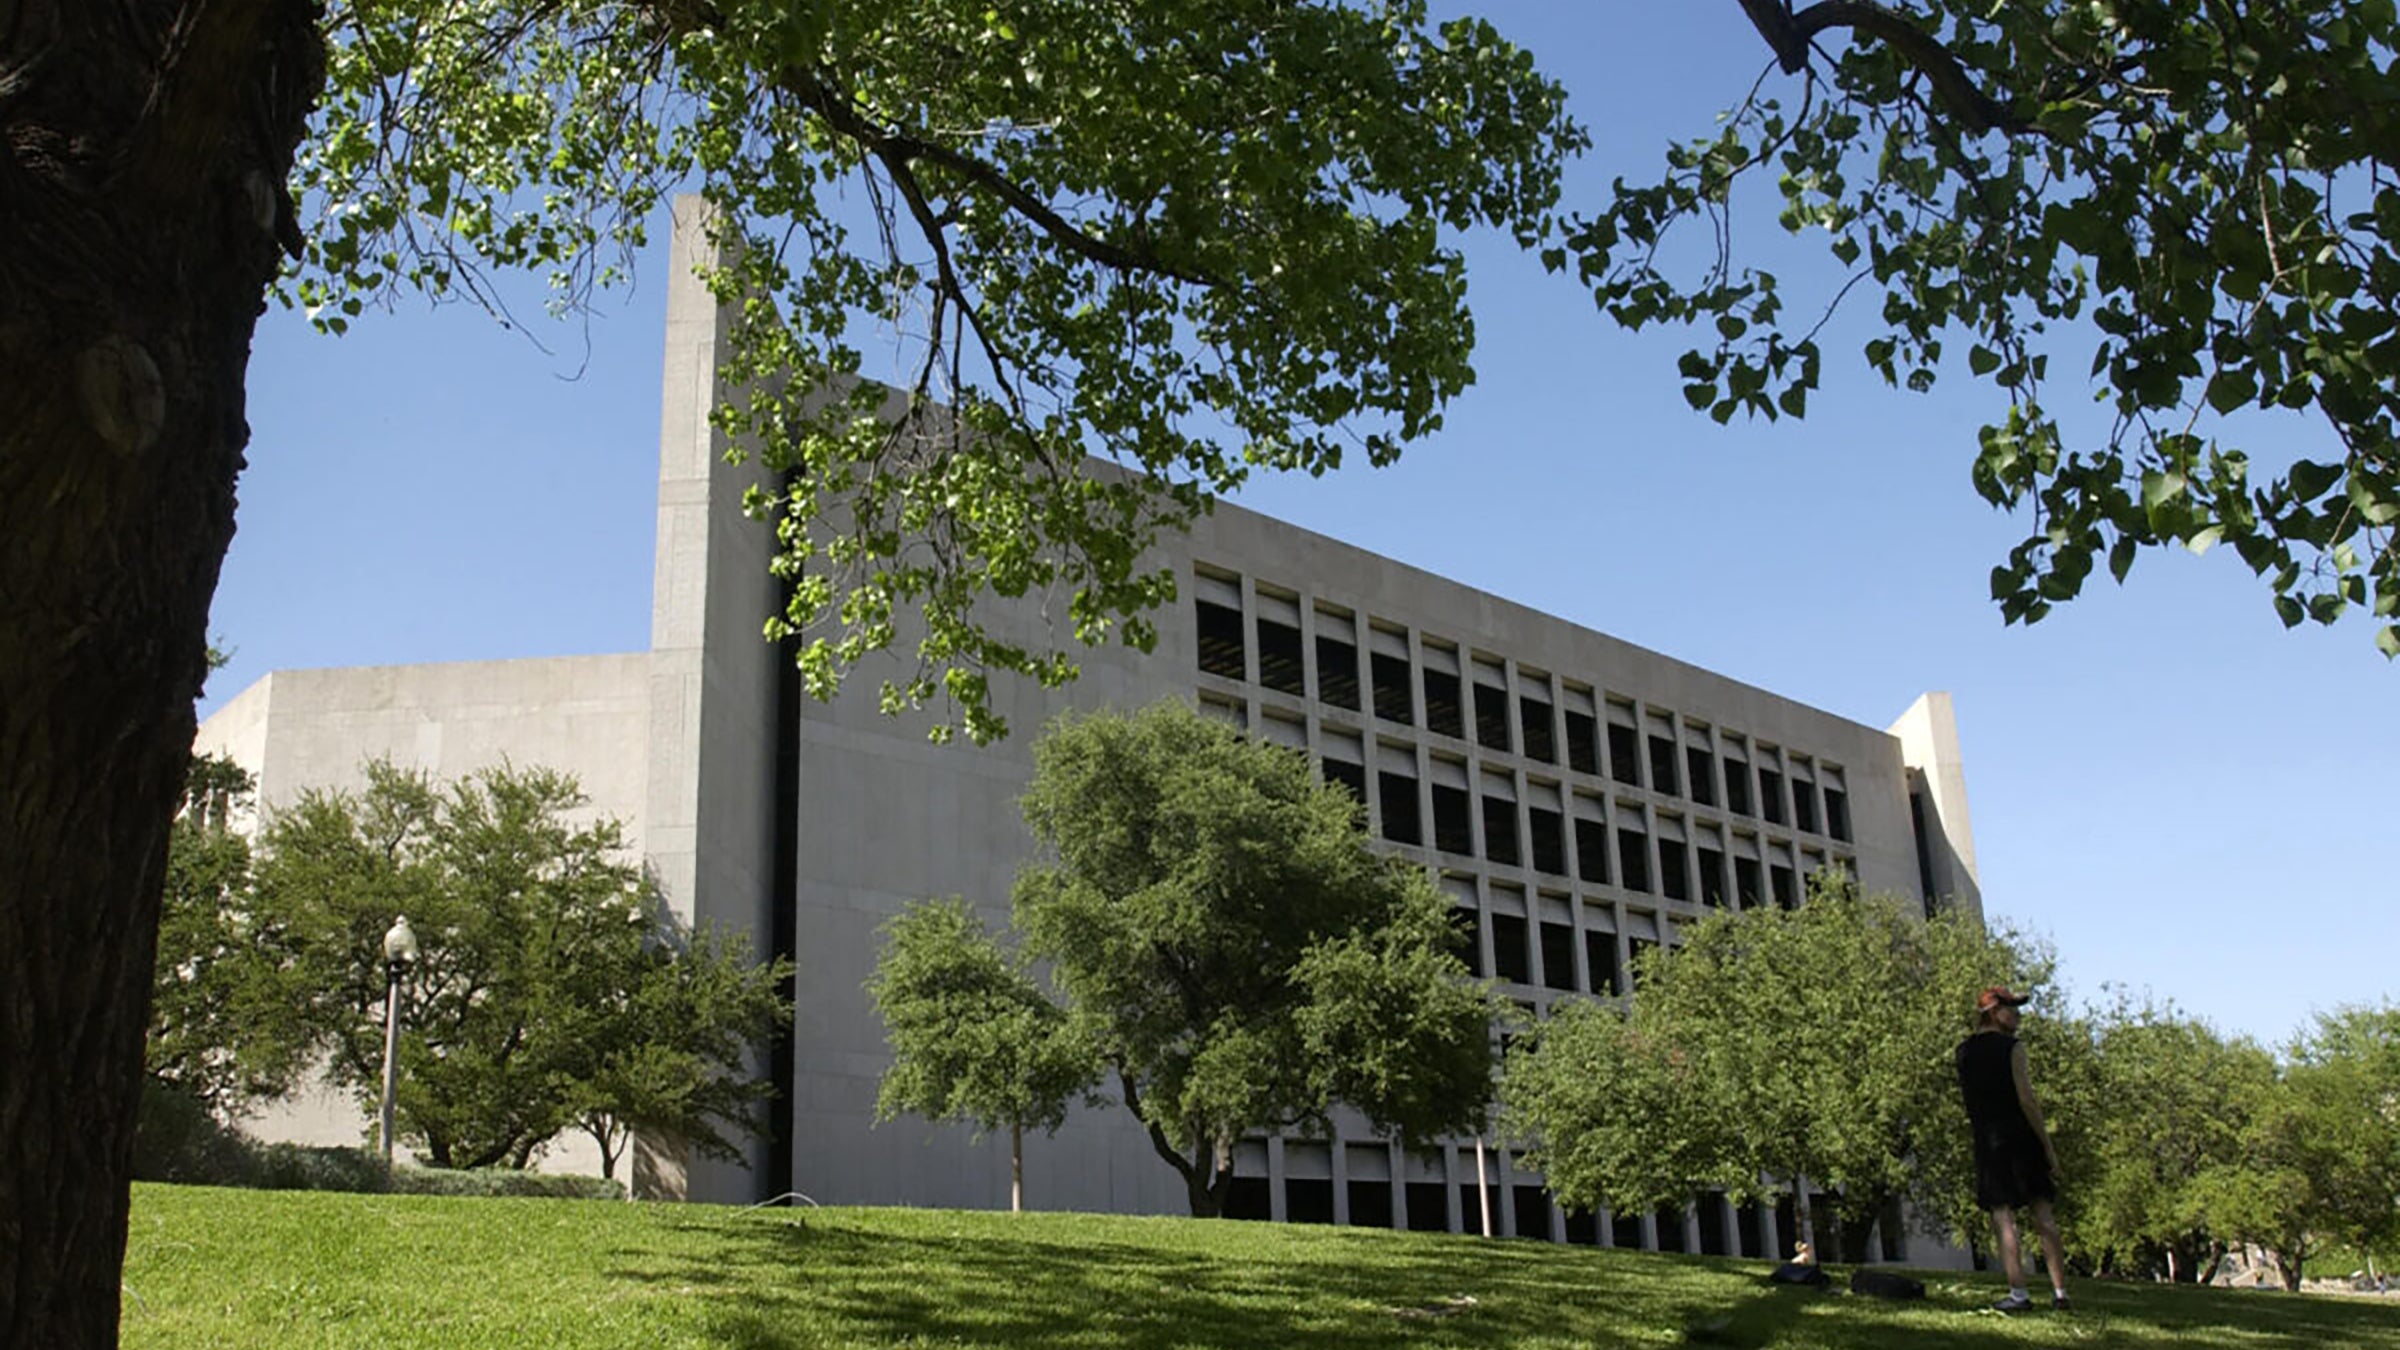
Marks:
<point>143,149</point>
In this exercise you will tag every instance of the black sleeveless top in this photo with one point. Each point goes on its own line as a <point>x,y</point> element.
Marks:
<point>1988,1082</point>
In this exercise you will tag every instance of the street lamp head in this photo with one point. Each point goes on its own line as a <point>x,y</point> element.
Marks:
<point>400,944</point>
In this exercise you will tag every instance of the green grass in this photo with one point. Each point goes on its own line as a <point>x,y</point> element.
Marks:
<point>220,1268</point>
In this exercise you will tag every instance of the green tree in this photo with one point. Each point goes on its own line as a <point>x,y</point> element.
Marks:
<point>2336,1134</point>
<point>1805,1049</point>
<point>2192,204</point>
<point>663,1040</point>
<point>973,1036</point>
<point>547,994</point>
<point>1194,235</point>
<point>1237,954</point>
<point>2178,1100</point>
<point>225,1028</point>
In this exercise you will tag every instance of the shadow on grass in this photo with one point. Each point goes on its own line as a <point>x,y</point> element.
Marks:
<point>771,1282</point>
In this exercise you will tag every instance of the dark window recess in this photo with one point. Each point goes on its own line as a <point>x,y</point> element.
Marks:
<point>1468,922</point>
<point>1583,742</point>
<point>1399,795</point>
<point>1747,1226</point>
<point>1737,786</point>
<point>1349,775</point>
<point>1443,713</point>
<point>1712,878</point>
<point>1837,814</point>
<point>1600,957</point>
<point>1785,886</point>
<point>1634,948</point>
<point>1279,665</point>
<point>1713,1237</point>
<point>1394,701</point>
<point>1662,766</point>
<point>1337,672</point>
<point>1670,1229</point>
<point>1770,796</point>
<point>1533,1212</point>
<point>1491,718</point>
<point>1307,1201</point>
<point>1583,1228</point>
<point>1916,823</point>
<point>1221,640</point>
<point>1500,842</point>
<point>1633,859</point>
<point>1624,754</point>
<point>1804,804</point>
<point>1558,956</point>
<point>1428,1207</point>
<point>1674,870</point>
<point>1370,1204</point>
<point>1453,822</point>
<point>1591,851</point>
<point>1699,771</point>
<point>1470,1208</point>
<point>1510,961</point>
<point>1248,1198</point>
<point>1540,741</point>
<point>1745,882</point>
<point>1625,1230</point>
<point>1549,830</point>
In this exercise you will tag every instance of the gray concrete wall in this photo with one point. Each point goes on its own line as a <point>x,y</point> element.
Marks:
<point>303,730</point>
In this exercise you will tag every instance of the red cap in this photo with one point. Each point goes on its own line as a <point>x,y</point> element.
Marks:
<point>1998,997</point>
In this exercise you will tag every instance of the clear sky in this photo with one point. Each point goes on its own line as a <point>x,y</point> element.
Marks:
<point>2180,794</point>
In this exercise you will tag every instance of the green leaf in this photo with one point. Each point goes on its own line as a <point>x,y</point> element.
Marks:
<point>2309,479</point>
<point>2120,557</point>
<point>1982,360</point>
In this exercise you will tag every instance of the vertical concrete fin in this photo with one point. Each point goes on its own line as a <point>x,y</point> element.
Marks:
<point>1928,734</point>
<point>710,803</point>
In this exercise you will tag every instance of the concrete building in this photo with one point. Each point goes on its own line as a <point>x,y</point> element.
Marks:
<point>1578,796</point>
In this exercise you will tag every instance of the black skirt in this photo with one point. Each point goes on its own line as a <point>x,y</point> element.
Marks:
<point>2011,1169</point>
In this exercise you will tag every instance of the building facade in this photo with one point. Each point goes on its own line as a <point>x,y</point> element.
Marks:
<point>1578,797</point>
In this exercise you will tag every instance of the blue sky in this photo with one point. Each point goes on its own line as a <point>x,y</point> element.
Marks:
<point>2179,793</point>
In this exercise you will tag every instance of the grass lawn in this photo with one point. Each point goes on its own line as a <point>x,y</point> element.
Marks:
<point>220,1268</point>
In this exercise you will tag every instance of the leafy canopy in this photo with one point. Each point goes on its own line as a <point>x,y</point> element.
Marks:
<point>1769,1045</point>
<point>225,1027</point>
<point>973,1036</point>
<point>1193,237</point>
<point>2199,196</point>
<point>1235,950</point>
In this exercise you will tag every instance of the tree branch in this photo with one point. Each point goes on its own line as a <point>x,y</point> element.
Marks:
<point>1789,35</point>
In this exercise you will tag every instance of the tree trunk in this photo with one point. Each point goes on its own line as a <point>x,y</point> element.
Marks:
<point>143,150</point>
<point>1016,1167</point>
<point>1807,1217</point>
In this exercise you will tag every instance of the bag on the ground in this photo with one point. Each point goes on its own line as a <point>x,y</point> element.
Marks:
<point>1885,1284</point>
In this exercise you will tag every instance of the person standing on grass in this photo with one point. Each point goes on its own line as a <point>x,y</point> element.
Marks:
<point>2015,1166</point>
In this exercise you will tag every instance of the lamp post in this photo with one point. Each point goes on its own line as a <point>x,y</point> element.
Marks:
<point>399,951</point>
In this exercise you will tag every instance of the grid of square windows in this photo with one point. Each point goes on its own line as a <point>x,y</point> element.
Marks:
<point>1515,773</point>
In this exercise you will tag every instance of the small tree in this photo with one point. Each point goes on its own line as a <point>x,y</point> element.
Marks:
<point>2321,1157</point>
<point>1238,955</point>
<point>665,1048</point>
<point>973,1036</point>
<point>2179,1099</point>
<point>1771,1048</point>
